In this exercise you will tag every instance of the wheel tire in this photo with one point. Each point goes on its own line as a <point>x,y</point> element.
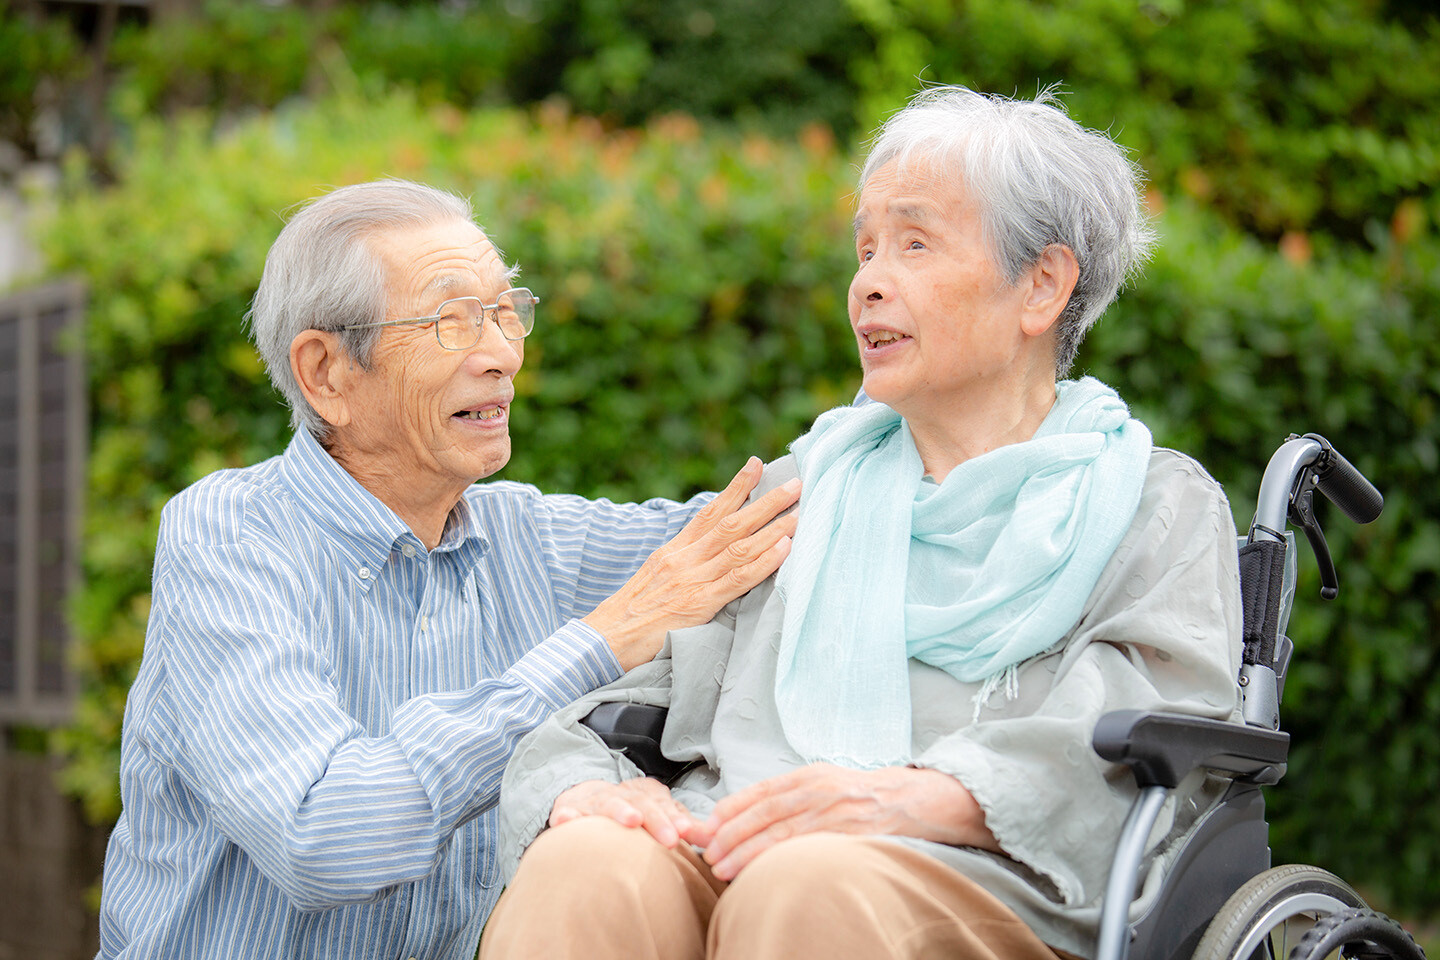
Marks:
<point>1360,933</point>
<point>1272,911</point>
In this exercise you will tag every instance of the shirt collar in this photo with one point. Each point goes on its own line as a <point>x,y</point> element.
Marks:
<point>360,523</point>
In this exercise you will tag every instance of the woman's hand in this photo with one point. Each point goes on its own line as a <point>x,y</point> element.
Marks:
<point>727,549</point>
<point>642,802</point>
<point>901,801</point>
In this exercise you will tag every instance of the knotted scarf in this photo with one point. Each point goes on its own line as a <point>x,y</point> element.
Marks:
<point>972,575</point>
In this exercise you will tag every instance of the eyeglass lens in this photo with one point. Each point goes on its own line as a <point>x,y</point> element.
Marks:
<point>460,321</point>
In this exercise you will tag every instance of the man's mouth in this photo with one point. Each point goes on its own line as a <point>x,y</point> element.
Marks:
<point>490,413</point>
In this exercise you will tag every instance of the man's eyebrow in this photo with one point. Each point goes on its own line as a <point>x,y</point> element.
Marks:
<point>444,283</point>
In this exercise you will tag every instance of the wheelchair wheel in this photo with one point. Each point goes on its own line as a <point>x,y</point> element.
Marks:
<point>1357,933</point>
<point>1268,916</point>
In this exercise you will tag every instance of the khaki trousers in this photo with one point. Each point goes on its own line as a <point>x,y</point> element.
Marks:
<point>595,889</point>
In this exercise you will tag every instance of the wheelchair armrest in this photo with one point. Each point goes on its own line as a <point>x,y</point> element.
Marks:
<point>634,730</point>
<point>1161,748</point>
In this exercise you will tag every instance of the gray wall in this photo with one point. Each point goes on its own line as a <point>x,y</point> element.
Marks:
<point>50,862</point>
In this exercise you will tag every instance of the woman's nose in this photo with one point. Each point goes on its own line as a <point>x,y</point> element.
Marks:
<point>870,284</point>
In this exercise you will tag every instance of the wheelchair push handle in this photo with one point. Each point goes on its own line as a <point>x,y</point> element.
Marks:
<point>1301,467</point>
<point>1344,485</point>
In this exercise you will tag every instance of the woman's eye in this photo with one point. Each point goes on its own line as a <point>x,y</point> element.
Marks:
<point>915,245</point>
<point>865,255</point>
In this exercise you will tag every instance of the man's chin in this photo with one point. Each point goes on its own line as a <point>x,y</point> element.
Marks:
<point>494,459</point>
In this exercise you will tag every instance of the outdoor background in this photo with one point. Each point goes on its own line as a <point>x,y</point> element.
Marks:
<point>675,179</point>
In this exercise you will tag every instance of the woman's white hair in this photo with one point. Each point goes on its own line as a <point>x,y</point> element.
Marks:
<point>1038,178</point>
<point>322,274</point>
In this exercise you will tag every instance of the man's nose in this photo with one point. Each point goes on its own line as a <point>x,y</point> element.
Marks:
<point>494,353</point>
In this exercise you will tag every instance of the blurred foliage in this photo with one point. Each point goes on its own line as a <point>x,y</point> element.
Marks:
<point>693,275</point>
<point>625,59</point>
<point>1281,116</point>
<point>39,61</point>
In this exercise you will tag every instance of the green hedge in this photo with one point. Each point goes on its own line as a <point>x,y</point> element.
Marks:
<point>693,282</point>
<point>1280,115</point>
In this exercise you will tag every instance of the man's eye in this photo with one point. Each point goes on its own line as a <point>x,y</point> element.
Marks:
<point>916,245</point>
<point>865,255</point>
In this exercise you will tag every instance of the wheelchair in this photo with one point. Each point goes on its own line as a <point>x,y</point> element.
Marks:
<point>1221,898</point>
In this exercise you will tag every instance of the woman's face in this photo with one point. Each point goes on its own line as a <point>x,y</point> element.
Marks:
<point>935,320</point>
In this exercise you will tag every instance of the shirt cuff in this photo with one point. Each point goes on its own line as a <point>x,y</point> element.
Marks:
<point>568,664</point>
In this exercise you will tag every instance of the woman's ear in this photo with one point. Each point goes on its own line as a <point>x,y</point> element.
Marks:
<point>1052,280</point>
<point>324,372</point>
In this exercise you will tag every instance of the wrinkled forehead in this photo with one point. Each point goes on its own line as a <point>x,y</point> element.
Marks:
<point>428,263</point>
<point>914,187</point>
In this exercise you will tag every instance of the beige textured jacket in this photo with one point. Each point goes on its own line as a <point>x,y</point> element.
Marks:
<point>1161,631</point>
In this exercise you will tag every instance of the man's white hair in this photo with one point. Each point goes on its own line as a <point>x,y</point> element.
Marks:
<point>322,274</point>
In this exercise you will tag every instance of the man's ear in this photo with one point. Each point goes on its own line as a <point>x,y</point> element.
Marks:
<point>325,374</point>
<point>1052,280</point>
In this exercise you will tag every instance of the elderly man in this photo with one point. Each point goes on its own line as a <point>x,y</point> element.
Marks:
<point>890,742</point>
<point>346,641</point>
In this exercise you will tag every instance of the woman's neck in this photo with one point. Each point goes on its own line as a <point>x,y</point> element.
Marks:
<point>975,426</point>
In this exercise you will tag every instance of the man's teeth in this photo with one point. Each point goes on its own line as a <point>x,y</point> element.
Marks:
<point>481,414</point>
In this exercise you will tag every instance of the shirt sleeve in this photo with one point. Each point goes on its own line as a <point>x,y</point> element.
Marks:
<point>1161,632</point>
<point>244,711</point>
<point>593,546</point>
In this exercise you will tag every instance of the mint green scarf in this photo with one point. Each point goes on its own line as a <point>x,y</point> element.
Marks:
<point>973,575</point>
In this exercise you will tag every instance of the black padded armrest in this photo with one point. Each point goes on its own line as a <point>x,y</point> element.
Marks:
<point>1163,747</point>
<point>634,729</point>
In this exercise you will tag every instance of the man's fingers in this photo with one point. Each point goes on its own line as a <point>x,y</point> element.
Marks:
<point>726,502</point>
<point>753,517</point>
<point>728,518</point>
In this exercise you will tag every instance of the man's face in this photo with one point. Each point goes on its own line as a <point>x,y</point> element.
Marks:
<point>934,318</point>
<point>427,421</point>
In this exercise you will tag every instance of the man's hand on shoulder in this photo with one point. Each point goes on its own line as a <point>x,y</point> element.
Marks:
<point>725,551</point>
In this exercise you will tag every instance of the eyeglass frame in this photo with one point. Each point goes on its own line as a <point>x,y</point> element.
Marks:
<point>485,314</point>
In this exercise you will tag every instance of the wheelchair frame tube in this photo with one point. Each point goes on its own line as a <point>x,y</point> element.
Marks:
<point>1113,942</point>
<point>1272,506</point>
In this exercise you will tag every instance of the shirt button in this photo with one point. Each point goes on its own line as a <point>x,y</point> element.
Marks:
<point>364,573</point>
<point>408,550</point>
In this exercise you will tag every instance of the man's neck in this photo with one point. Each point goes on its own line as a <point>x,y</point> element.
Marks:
<point>424,508</point>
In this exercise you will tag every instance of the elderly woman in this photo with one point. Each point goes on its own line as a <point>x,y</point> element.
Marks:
<point>891,737</point>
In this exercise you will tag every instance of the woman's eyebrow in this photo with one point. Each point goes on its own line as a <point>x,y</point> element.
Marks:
<point>918,213</point>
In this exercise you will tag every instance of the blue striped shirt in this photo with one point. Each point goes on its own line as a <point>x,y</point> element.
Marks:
<point>313,746</point>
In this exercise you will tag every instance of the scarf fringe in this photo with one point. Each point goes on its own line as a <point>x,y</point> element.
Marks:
<point>1009,679</point>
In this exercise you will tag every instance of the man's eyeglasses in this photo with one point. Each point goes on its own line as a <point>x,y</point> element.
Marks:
<point>458,322</point>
